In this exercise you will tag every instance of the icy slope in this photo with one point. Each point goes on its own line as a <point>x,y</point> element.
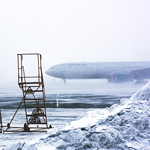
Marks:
<point>124,126</point>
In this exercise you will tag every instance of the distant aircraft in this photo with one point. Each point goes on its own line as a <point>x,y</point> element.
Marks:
<point>112,71</point>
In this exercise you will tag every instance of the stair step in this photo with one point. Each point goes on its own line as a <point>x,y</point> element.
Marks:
<point>40,123</point>
<point>32,91</point>
<point>34,107</point>
<point>37,115</point>
<point>29,86</point>
<point>30,83</point>
<point>33,99</point>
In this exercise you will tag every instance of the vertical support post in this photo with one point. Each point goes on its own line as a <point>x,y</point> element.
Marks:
<point>1,126</point>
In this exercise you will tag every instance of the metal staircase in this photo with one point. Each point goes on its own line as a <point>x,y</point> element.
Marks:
<point>33,90</point>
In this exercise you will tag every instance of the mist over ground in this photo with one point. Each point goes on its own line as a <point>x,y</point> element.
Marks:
<point>80,86</point>
<point>72,31</point>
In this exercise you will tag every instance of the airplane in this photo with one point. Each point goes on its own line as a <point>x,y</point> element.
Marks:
<point>114,72</point>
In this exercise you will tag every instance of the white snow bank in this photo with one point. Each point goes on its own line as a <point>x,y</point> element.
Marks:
<point>124,126</point>
<point>15,146</point>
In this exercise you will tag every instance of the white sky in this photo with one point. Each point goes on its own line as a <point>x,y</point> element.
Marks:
<point>73,31</point>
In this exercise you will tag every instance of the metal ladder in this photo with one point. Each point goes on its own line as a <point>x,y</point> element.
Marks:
<point>33,90</point>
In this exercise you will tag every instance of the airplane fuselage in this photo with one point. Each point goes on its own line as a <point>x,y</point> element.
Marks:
<point>99,70</point>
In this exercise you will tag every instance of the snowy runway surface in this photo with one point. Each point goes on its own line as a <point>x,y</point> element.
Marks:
<point>124,125</point>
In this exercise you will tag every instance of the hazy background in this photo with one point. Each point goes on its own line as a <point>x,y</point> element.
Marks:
<point>72,31</point>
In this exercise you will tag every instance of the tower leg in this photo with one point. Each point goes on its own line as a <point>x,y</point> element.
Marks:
<point>1,126</point>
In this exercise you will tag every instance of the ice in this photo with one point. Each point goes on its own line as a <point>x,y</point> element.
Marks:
<point>123,126</point>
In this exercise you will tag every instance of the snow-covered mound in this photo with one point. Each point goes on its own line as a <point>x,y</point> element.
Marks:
<point>124,126</point>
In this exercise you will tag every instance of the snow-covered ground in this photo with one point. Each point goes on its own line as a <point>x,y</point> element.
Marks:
<point>122,126</point>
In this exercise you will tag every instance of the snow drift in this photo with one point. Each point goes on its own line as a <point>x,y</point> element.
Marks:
<point>122,126</point>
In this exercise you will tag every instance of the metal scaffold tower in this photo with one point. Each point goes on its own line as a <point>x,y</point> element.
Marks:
<point>30,81</point>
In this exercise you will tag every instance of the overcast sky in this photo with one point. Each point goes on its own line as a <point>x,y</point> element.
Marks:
<point>73,31</point>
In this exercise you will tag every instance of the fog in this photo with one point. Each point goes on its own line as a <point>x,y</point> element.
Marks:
<point>72,31</point>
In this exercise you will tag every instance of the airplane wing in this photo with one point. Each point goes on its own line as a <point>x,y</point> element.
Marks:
<point>129,75</point>
<point>141,74</point>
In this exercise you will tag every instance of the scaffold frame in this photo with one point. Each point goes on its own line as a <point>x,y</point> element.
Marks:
<point>33,91</point>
